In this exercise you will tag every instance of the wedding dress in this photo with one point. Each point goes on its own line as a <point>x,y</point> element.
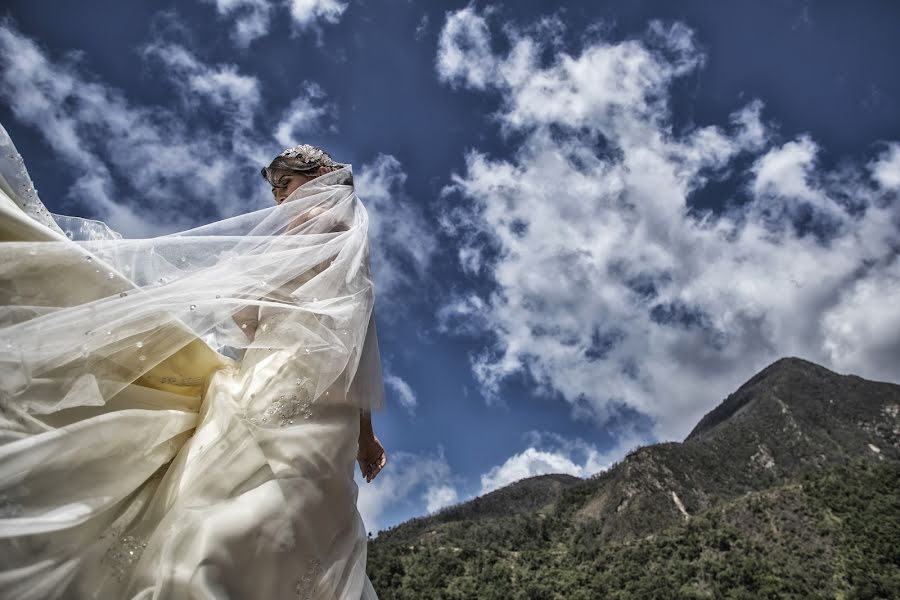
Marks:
<point>180,414</point>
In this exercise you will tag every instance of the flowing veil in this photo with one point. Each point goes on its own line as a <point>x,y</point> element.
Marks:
<point>200,291</point>
<point>96,326</point>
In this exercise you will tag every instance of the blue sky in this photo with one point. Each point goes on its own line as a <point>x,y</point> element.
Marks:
<point>592,220</point>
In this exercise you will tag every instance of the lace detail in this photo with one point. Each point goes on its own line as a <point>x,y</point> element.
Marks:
<point>124,552</point>
<point>286,408</point>
<point>306,585</point>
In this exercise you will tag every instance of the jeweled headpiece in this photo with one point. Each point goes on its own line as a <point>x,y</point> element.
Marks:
<point>310,155</point>
<point>304,158</point>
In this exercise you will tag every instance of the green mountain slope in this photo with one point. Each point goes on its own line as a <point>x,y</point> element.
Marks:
<point>789,488</point>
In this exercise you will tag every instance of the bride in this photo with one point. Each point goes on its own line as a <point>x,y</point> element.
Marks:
<point>180,415</point>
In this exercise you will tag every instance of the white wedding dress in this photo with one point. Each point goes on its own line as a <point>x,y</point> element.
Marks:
<point>163,467</point>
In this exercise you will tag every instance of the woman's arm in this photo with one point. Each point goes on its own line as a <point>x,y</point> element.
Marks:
<point>371,455</point>
<point>320,212</point>
<point>247,317</point>
<point>365,423</point>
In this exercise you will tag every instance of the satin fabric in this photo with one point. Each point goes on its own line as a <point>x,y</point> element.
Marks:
<point>206,477</point>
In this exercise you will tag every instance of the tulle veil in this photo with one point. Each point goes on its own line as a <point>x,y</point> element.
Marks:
<point>163,312</point>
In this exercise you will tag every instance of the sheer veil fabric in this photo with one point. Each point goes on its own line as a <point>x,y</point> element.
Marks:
<point>180,413</point>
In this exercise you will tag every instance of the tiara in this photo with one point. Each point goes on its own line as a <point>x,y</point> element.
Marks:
<point>310,155</point>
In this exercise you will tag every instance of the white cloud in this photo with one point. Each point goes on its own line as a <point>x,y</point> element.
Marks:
<point>785,189</point>
<point>422,28</point>
<point>403,243</point>
<point>307,13</point>
<point>253,18</point>
<point>528,463</point>
<point>785,171</point>
<point>151,170</point>
<point>886,169</point>
<point>222,86</point>
<point>38,92</point>
<point>860,329</point>
<point>403,390</point>
<point>753,133</point>
<point>464,50</point>
<point>438,496</point>
<point>470,259</point>
<point>551,453</point>
<point>464,314</point>
<point>304,114</point>
<point>145,170</point>
<point>406,478</point>
<point>605,289</point>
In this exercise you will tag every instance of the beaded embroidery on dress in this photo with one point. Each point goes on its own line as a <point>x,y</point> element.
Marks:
<point>179,415</point>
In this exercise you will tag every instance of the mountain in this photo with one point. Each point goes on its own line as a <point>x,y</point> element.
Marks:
<point>789,487</point>
<point>792,416</point>
<point>525,496</point>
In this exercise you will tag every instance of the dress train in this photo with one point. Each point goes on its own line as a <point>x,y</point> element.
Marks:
<point>207,477</point>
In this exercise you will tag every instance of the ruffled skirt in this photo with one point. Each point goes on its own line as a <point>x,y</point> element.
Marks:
<point>249,494</point>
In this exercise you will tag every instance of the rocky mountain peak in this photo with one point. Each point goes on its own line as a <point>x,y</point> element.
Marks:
<point>789,383</point>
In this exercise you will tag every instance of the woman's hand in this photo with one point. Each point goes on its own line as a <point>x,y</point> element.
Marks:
<point>371,456</point>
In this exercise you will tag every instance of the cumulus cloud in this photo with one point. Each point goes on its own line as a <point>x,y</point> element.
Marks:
<point>147,170</point>
<point>307,13</point>
<point>464,50</point>
<point>528,463</point>
<point>886,169</point>
<point>438,496</point>
<point>604,287</point>
<point>408,479</point>
<point>82,121</point>
<point>304,114</point>
<point>403,391</point>
<point>548,453</point>
<point>467,314</point>
<point>253,18</point>
<point>403,243</point>
<point>785,171</point>
<point>860,328</point>
<point>221,86</point>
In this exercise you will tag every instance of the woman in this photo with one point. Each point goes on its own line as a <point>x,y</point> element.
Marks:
<point>181,414</point>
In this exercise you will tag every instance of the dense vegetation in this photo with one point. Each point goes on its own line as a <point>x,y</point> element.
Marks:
<point>831,534</point>
<point>790,488</point>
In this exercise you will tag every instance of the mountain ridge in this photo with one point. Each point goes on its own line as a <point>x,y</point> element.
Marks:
<point>791,422</point>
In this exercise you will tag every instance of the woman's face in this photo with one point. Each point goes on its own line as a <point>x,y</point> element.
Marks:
<point>287,182</point>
